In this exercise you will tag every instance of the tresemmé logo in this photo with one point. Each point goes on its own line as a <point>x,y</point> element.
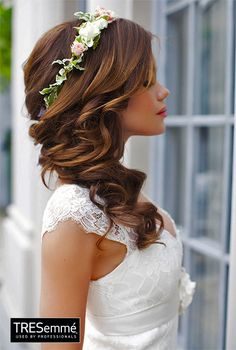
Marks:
<point>45,330</point>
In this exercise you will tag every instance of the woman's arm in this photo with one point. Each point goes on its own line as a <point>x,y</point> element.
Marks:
<point>66,266</point>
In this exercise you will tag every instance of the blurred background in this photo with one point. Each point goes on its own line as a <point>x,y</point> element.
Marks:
<point>191,168</point>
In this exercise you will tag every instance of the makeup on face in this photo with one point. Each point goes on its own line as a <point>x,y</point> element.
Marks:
<point>162,112</point>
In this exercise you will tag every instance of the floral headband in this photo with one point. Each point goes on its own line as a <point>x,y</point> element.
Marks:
<point>88,36</point>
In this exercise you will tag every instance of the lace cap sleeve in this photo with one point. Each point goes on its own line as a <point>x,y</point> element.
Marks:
<point>72,202</point>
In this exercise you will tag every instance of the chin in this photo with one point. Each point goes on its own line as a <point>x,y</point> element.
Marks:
<point>149,132</point>
<point>155,132</point>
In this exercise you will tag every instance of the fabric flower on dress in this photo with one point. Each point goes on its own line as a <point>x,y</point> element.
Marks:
<point>186,290</point>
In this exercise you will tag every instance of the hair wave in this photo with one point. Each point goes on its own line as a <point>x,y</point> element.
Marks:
<point>81,133</point>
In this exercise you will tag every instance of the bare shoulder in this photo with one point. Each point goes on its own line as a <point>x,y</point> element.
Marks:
<point>68,235</point>
<point>67,258</point>
<point>67,252</point>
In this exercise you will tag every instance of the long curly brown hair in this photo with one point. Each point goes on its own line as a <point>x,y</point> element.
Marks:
<point>81,132</point>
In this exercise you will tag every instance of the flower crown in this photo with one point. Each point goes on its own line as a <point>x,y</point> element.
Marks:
<point>88,36</point>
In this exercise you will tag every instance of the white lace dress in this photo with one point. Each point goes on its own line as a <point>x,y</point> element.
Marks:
<point>137,305</point>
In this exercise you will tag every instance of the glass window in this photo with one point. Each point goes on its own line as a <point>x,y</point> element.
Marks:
<point>176,62</point>
<point>210,57</point>
<point>204,314</point>
<point>195,33</point>
<point>229,199</point>
<point>172,1</point>
<point>208,182</point>
<point>175,174</point>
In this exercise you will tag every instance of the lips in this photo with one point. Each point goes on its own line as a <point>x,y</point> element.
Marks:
<point>163,110</point>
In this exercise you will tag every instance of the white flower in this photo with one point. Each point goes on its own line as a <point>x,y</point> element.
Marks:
<point>89,31</point>
<point>186,290</point>
<point>101,23</point>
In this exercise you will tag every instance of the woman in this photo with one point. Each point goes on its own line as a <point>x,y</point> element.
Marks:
<point>125,277</point>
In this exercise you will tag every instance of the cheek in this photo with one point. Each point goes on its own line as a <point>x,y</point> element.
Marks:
<point>137,112</point>
<point>139,117</point>
<point>139,109</point>
<point>141,104</point>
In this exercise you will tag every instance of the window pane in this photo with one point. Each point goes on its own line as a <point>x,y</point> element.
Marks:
<point>172,1</point>
<point>176,74</point>
<point>208,182</point>
<point>210,53</point>
<point>175,174</point>
<point>204,317</point>
<point>229,199</point>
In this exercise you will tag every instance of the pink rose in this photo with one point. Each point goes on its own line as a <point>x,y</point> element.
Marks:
<point>77,48</point>
<point>101,11</point>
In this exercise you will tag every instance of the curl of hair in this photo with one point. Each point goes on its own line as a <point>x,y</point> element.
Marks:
<point>81,133</point>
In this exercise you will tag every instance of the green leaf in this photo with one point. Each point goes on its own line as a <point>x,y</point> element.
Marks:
<point>57,61</point>
<point>78,38</point>
<point>62,71</point>
<point>50,98</point>
<point>96,41</point>
<point>46,91</point>
<point>80,68</point>
<point>66,60</point>
<point>89,43</point>
<point>60,79</point>
<point>53,85</point>
<point>81,15</point>
<point>63,62</point>
<point>5,46</point>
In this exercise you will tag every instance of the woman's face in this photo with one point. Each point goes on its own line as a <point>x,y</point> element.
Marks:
<point>140,117</point>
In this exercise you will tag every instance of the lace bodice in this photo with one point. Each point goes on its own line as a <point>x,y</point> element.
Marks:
<point>136,305</point>
<point>72,202</point>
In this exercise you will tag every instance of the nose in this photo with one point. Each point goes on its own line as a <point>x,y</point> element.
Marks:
<point>162,92</point>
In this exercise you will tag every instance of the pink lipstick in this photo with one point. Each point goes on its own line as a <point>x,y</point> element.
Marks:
<point>163,112</point>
